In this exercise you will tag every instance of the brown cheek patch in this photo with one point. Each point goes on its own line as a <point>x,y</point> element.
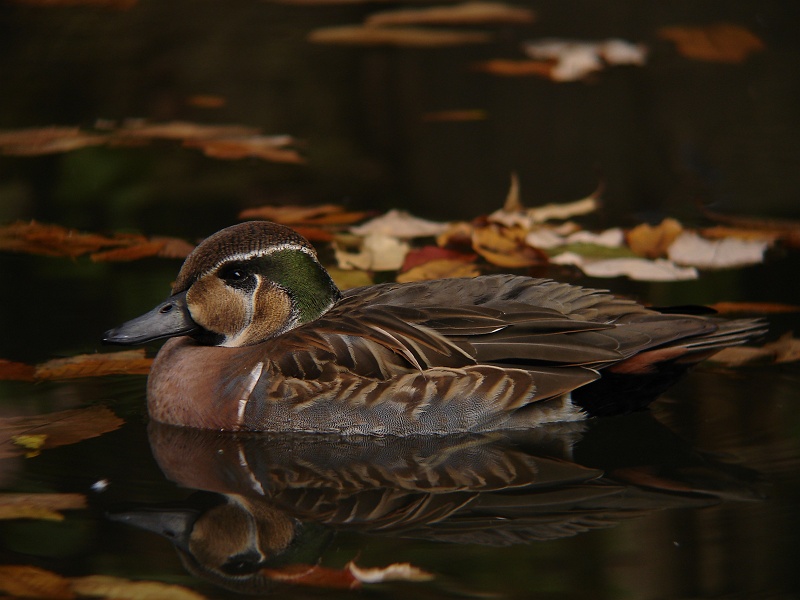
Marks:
<point>271,313</point>
<point>215,307</point>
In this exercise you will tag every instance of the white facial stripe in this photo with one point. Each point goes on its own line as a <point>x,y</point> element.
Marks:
<point>258,253</point>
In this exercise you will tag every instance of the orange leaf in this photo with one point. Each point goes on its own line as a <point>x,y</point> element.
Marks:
<point>314,575</point>
<point>505,246</point>
<point>54,240</point>
<point>39,506</point>
<point>363,35</point>
<point>443,268</point>
<point>273,148</point>
<point>429,253</point>
<point>15,371</point>
<point>127,362</point>
<point>653,241</point>
<point>47,140</point>
<point>516,68</point>
<point>24,581</point>
<point>754,307</point>
<point>143,250</point>
<point>206,101</point>
<point>721,42</point>
<point>472,12</point>
<point>315,216</point>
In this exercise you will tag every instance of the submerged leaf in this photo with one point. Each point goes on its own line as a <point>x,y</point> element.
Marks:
<point>25,581</point>
<point>391,36</point>
<point>127,362</point>
<point>472,13</point>
<point>721,42</point>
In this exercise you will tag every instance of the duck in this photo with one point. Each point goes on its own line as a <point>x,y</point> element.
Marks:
<point>261,339</point>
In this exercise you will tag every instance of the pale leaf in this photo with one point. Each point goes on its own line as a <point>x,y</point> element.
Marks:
<point>693,250</point>
<point>639,269</point>
<point>400,224</point>
<point>574,59</point>
<point>378,253</point>
<point>393,572</point>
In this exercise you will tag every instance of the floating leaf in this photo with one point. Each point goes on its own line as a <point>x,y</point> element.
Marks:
<point>428,253</point>
<point>53,240</point>
<point>393,572</point>
<point>640,269</point>
<point>573,60</point>
<point>442,268</point>
<point>16,371</point>
<point>653,241</point>
<point>59,428</point>
<point>180,130</point>
<point>39,506</point>
<point>721,42</point>
<point>377,253</point>
<point>275,148</point>
<point>445,116</point>
<point>47,140</point>
<point>24,581</point>
<point>693,250</point>
<point>314,575</point>
<point>458,14</point>
<point>753,307</point>
<point>505,246</point>
<point>32,443</point>
<point>346,279</point>
<point>106,586</point>
<point>400,224</point>
<point>314,216</point>
<point>144,250</point>
<point>127,362</point>
<point>391,36</point>
<point>507,67</point>
<point>206,101</point>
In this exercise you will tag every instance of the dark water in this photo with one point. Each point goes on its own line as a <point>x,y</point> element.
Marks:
<point>699,498</point>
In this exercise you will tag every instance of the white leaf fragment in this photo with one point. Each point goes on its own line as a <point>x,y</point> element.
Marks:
<point>378,253</point>
<point>393,572</point>
<point>400,224</point>
<point>691,249</point>
<point>576,59</point>
<point>639,269</point>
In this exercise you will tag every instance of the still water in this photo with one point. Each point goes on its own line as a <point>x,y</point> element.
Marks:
<point>697,498</point>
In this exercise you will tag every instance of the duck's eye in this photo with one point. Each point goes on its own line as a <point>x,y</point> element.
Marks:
<point>235,276</point>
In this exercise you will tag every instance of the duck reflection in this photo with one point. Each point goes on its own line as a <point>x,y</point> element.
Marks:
<point>273,501</point>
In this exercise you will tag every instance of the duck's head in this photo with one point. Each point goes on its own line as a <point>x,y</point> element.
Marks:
<point>243,285</point>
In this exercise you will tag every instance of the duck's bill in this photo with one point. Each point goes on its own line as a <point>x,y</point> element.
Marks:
<point>168,319</point>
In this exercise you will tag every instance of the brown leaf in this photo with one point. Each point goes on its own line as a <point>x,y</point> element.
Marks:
<point>428,253</point>
<point>457,236</point>
<point>54,240</point>
<point>452,116</point>
<point>61,428</point>
<point>442,268</point>
<point>786,349</point>
<point>754,307</point>
<point>16,371</point>
<point>468,13</point>
<point>314,575</point>
<point>181,130</point>
<point>135,252</point>
<point>721,42</point>
<point>314,216</point>
<point>47,140</point>
<point>127,362</point>
<point>118,588</point>
<point>39,506</point>
<point>275,148</point>
<point>25,581</point>
<point>505,246</point>
<point>406,36</point>
<point>506,67</point>
<point>653,241</point>
<point>206,101</point>
<point>741,233</point>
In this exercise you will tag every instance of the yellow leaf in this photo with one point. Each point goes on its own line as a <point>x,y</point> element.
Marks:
<point>653,241</point>
<point>24,581</point>
<point>32,442</point>
<point>118,588</point>
<point>505,246</point>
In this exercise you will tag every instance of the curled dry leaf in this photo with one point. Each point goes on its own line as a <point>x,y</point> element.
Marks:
<point>53,240</point>
<point>360,35</point>
<point>468,13</point>
<point>457,236</point>
<point>505,246</point>
<point>377,253</point>
<point>39,506</point>
<point>127,362</point>
<point>720,42</point>
<point>653,241</point>
<point>106,586</point>
<point>25,581</point>
<point>313,216</point>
